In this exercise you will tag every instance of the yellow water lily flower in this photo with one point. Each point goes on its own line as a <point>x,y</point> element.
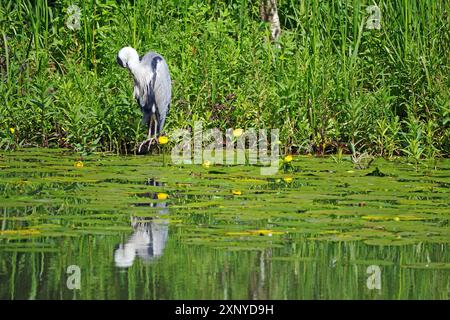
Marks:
<point>22,232</point>
<point>163,140</point>
<point>236,192</point>
<point>78,164</point>
<point>288,158</point>
<point>206,163</point>
<point>162,196</point>
<point>12,130</point>
<point>288,179</point>
<point>237,132</point>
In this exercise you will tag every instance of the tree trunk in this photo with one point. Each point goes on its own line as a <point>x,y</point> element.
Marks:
<point>269,13</point>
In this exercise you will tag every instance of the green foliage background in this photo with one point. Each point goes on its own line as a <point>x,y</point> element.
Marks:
<point>330,82</point>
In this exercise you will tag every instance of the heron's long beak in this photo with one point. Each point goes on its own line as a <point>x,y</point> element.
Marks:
<point>120,62</point>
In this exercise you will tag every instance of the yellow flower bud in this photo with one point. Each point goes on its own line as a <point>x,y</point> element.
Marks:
<point>78,164</point>
<point>237,132</point>
<point>162,196</point>
<point>206,164</point>
<point>163,140</point>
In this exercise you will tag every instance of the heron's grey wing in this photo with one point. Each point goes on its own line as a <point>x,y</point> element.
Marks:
<point>161,85</point>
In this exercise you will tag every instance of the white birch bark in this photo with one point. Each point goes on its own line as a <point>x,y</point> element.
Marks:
<point>269,13</point>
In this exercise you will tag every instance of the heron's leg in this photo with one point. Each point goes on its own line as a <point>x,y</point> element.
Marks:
<point>156,127</point>
<point>154,137</point>
<point>149,136</point>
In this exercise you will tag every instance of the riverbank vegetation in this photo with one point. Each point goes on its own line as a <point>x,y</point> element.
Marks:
<point>333,83</point>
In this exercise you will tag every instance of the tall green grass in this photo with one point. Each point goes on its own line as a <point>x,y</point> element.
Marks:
<point>331,83</point>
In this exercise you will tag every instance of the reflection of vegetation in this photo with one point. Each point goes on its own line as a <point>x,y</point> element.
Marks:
<point>328,83</point>
<point>301,269</point>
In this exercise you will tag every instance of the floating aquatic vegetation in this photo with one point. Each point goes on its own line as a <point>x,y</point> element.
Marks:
<point>376,173</point>
<point>261,232</point>
<point>213,218</point>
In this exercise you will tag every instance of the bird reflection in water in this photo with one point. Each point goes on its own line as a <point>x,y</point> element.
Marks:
<point>149,237</point>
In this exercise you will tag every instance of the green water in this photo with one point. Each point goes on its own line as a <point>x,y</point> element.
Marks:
<point>138,230</point>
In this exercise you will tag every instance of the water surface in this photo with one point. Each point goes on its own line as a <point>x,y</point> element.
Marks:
<point>138,230</point>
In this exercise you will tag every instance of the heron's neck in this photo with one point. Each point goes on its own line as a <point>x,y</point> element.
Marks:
<point>134,66</point>
<point>142,79</point>
<point>141,74</point>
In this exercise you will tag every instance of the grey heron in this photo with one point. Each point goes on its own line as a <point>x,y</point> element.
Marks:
<point>152,88</point>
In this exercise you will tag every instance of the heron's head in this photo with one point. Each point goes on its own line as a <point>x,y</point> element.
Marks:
<point>124,255</point>
<point>126,56</point>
